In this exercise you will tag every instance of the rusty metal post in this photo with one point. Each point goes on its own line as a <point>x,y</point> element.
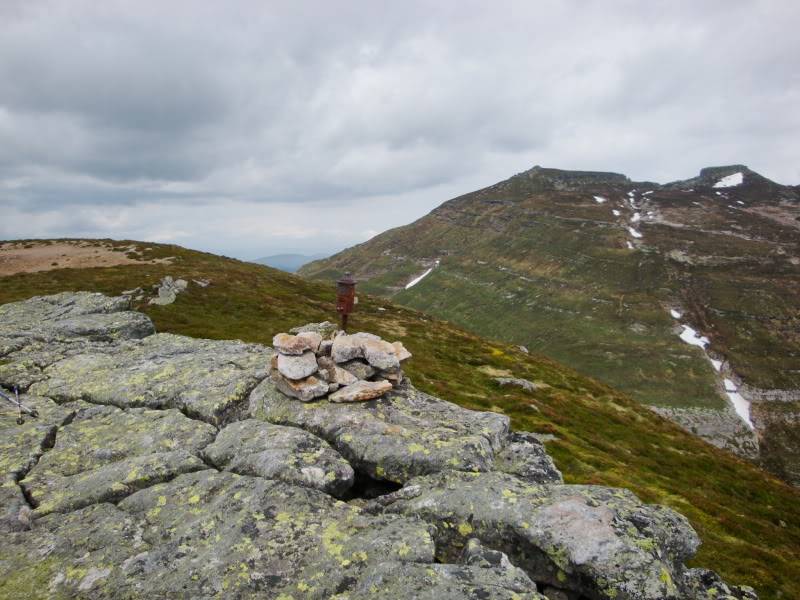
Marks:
<point>345,297</point>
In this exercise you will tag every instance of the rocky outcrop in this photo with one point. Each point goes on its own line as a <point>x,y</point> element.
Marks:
<point>165,466</point>
<point>167,291</point>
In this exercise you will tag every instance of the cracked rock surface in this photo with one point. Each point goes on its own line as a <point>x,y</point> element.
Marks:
<point>253,447</point>
<point>402,434</point>
<point>207,379</point>
<point>162,466</point>
<point>105,454</point>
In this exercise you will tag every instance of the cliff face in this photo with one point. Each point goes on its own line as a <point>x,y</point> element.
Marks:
<point>159,465</point>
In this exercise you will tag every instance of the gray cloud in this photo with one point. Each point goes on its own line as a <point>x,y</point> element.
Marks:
<point>182,121</point>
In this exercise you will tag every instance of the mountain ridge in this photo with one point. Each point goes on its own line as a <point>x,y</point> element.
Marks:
<point>586,267</point>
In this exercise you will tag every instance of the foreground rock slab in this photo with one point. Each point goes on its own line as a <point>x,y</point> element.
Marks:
<point>38,332</point>
<point>105,454</point>
<point>590,540</point>
<point>402,434</point>
<point>253,447</point>
<point>207,379</point>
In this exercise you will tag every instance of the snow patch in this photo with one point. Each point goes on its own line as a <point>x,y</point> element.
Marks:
<point>740,202</point>
<point>636,217</point>
<point>741,406</point>
<point>730,181</point>
<point>634,233</point>
<point>630,246</point>
<point>690,336</point>
<point>717,364</point>
<point>675,314</point>
<point>646,193</point>
<point>599,199</point>
<point>615,211</point>
<point>414,282</point>
<point>729,385</point>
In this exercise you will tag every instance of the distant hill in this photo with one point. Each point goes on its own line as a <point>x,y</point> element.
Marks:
<point>625,281</point>
<point>288,262</point>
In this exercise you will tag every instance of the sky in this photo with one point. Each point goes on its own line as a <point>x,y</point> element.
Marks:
<point>257,128</point>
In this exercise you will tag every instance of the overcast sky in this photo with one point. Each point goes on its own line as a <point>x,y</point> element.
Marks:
<point>254,128</point>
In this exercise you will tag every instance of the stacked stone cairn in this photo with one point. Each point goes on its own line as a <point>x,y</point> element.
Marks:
<point>315,364</point>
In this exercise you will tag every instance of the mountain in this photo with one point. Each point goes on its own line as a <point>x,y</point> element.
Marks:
<point>613,277</point>
<point>288,262</point>
<point>747,520</point>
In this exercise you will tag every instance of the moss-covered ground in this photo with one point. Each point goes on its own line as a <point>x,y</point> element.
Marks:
<point>749,521</point>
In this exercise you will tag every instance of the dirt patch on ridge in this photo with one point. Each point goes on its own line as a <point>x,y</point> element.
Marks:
<point>32,257</point>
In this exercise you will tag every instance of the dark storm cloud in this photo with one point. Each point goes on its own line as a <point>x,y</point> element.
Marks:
<point>120,116</point>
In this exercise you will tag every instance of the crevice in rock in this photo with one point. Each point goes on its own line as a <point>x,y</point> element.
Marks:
<point>366,487</point>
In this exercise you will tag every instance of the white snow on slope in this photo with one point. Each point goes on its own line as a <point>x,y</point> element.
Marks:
<point>634,233</point>
<point>630,246</point>
<point>729,385</point>
<point>414,282</point>
<point>599,199</point>
<point>690,336</point>
<point>717,364</point>
<point>615,211</point>
<point>740,202</point>
<point>675,314</point>
<point>742,407</point>
<point>646,193</point>
<point>636,217</point>
<point>730,181</point>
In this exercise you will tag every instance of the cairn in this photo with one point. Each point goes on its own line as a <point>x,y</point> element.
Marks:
<point>316,362</point>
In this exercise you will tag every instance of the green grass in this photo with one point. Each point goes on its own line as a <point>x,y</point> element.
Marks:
<point>749,521</point>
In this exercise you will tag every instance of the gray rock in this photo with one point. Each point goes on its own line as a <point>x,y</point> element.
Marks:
<point>333,373</point>
<point>207,379</point>
<point>105,454</point>
<point>379,353</point>
<point>325,329</point>
<point>21,446</point>
<point>256,448</point>
<point>81,554</point>
<point>361,391</point>
<point>402,434</point>
<point>347,347</point>
<point>442,582</point>
<point>359,369</point>
<point>528,386</point>
<point>219,534</point>
<point>600,542</point>
<point>325,347</point>
<point>168,290</point>
<point>401,352</point>
<point>305,390</point>
<point>296,344</point>
<point>64,317</point>
<point>297,367</point>
<point>702,583</point>
<point>526,457</point>
<point>15,514</point>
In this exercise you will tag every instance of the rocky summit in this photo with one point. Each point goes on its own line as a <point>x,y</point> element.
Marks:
<point>163,466</point>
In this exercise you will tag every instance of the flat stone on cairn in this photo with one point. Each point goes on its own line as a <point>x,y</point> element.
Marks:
<point>351,368</point>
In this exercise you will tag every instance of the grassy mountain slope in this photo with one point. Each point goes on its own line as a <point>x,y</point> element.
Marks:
<point>538,260</point>
<point>749,521</point>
